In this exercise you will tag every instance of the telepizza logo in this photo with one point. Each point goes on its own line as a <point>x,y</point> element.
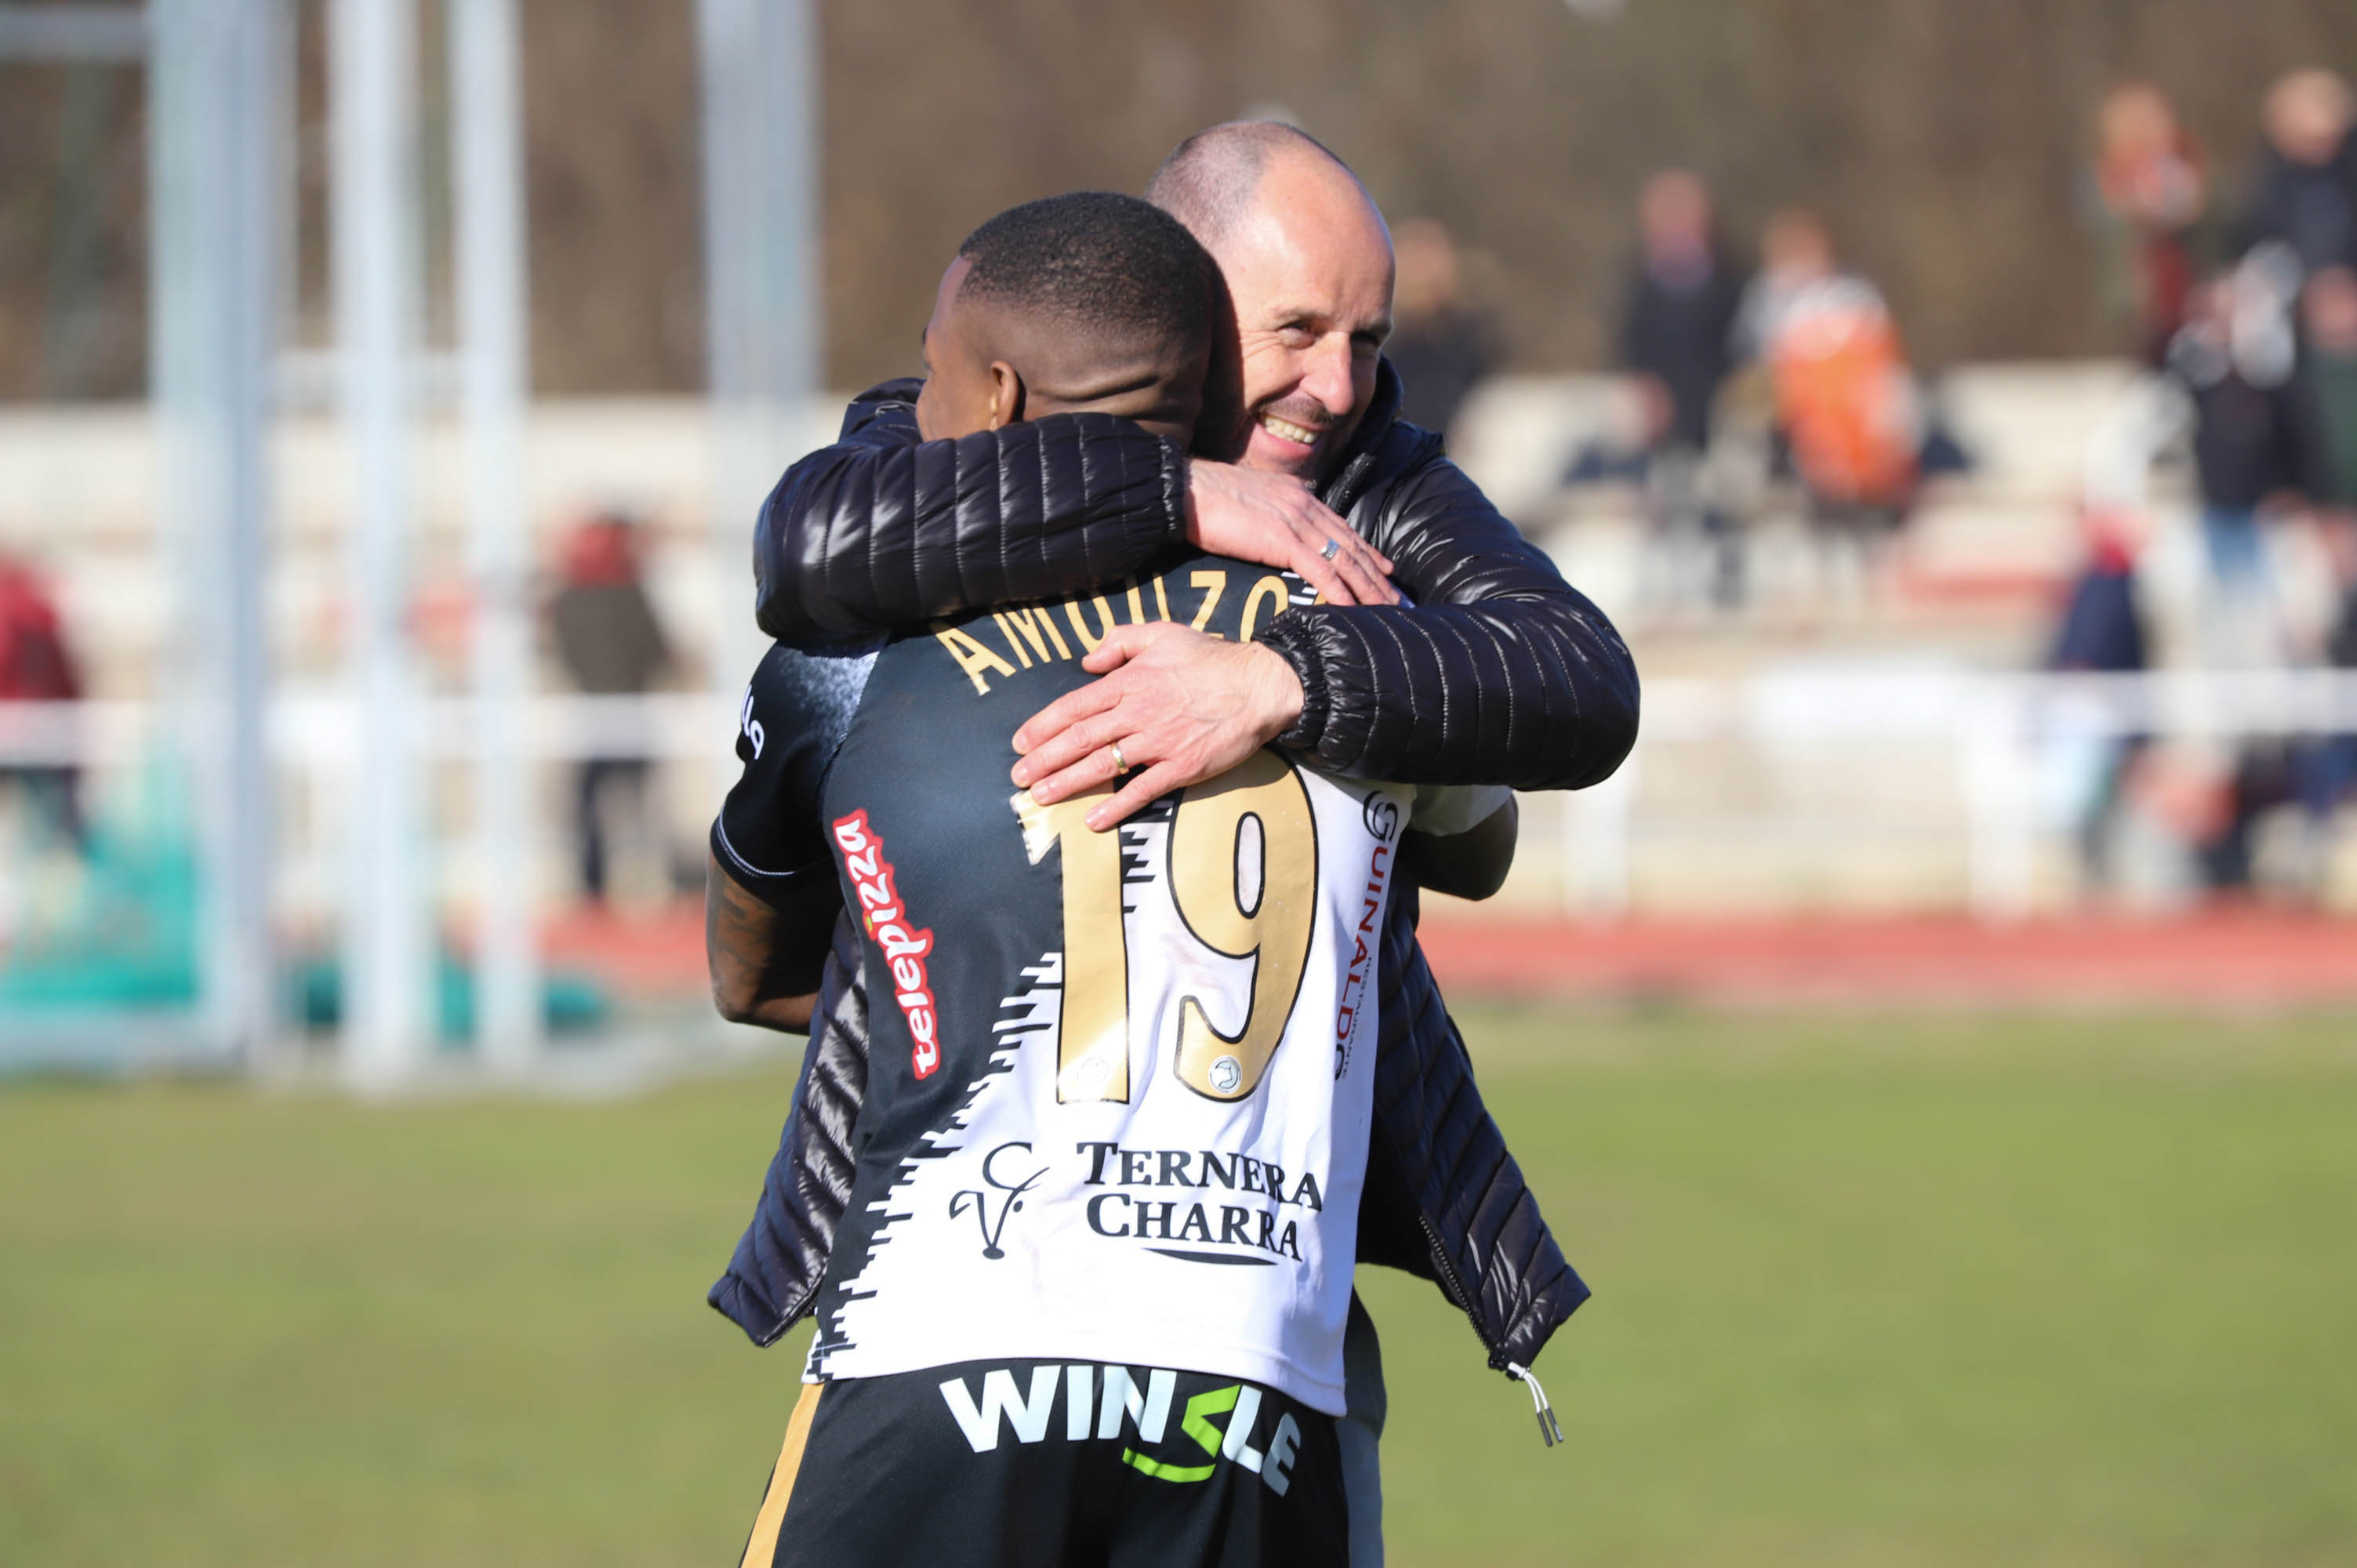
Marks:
<point>904,947</point>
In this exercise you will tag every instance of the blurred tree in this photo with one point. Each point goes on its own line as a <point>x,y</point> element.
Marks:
<point>1947,144</point>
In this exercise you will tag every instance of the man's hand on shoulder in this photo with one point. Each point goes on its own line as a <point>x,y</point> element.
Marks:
<point>1181,706</point>
<point>1273,519</point>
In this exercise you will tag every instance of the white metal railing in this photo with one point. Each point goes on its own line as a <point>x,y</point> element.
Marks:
<point>1927,703</point>
<point>1992,723</point>
<point>320,731</point>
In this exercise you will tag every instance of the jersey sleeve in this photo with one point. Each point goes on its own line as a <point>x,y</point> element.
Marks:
<point>795,713</point>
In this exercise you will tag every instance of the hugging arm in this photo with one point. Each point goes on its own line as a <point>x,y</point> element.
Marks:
<point>1501,673</point>
<point>764,956</point>
<point>1471,865</point>
<point>771,894</point>
<point>883,529</point>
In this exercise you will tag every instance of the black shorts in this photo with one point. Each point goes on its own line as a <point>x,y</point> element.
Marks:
<point>1051,1464</point>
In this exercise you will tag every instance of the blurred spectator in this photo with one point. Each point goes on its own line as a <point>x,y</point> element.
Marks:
<point>2259,455</point>
<point>1844,397</point>
<point>2150,175</point>
<point>1440,346</point>
<point>2255,442</point>
<point>2328,769</point>
<point>1677,316</point>
<point>610,643</point>
<point>36,667</point>
<point>2102,632</point>
<point>2329,369</point>
<point>2304,193</point>
<point>1677,327</point>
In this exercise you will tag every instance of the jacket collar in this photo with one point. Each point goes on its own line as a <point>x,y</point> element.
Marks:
<point>892,403</point>
<point>1384,444</point>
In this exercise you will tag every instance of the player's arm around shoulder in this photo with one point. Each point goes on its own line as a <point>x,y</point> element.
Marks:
<point>884,529</point>
<point>1452,544</point>
<point>1467,862</point>
<point>771,897</point>
<point>764,957</point>
<point>1500,672</point>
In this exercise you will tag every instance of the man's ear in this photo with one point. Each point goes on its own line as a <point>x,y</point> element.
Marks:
<point>1005,395</point>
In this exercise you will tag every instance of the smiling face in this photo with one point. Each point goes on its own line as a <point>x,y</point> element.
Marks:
<point>1308,268</point>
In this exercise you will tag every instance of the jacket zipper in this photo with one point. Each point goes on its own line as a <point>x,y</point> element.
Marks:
<point>1550,1431</point>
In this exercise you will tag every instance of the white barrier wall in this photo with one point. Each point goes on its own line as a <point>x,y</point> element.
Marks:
<point>1904,771</point>
<point>78,497</point>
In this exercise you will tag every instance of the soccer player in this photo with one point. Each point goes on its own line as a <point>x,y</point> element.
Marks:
<point>1089,1300</point>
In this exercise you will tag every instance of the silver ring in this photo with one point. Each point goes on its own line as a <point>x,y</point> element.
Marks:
<point>1119,765</point>
<point>1333,548</point>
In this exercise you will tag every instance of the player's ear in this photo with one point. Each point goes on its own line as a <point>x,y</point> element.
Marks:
<point>1005,395</point>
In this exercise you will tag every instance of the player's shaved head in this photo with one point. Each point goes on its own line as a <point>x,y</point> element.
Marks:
<point>1095,265</point>
<point>1088,302</point>
<point>1211,180</point>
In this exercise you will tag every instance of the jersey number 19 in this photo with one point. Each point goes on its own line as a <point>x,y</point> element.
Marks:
<point>1244,878</point>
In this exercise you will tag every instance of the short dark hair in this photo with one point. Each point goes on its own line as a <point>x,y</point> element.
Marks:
<point>1209,180</point>
<point>1100,263</point>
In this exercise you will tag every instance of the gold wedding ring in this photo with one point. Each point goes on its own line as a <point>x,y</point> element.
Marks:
<point>1120,766</point>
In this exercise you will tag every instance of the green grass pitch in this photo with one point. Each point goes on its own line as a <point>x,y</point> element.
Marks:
<point>1870,1290</point>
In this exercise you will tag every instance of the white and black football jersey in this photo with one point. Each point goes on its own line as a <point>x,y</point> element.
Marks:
<point>1118,1092</point>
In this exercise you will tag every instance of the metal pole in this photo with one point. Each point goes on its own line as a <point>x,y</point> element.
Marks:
<point>209,145</point>
<point>2000,810</point>
<point>387,955</point>
<point>761,276</point>
<point>488,154</point>
<point>285,175</point>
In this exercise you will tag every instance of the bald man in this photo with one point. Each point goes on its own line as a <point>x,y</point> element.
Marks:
<point>1496,673</point>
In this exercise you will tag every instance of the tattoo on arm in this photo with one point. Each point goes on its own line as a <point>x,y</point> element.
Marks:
<point>764,961</point>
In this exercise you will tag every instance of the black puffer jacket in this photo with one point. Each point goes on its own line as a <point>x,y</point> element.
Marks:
<point>1444,1198</point>
<point>1502,674</point>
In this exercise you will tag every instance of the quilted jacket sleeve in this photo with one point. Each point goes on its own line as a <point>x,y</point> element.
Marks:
<point>1501,673</point>
<point>882,528</point>
<point>783,1256</point>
